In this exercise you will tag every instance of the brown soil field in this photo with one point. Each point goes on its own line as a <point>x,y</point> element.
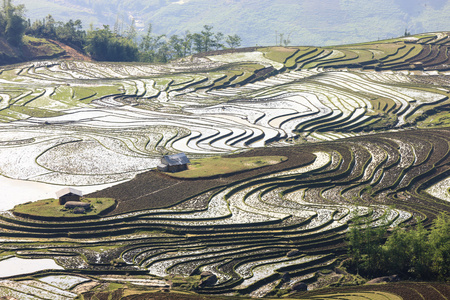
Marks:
<point>122,295</point>
<point>408,290</point>
<point>154,189</point>
<point>71,53</point>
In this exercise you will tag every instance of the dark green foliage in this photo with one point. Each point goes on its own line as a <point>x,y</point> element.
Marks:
<point>365,244</point>
<point>15,29</point>
<point>160,48</point>
<point>12,23</point>
<point>104,45</point>
<point>439,243</point>
<point>70,33</point>
<point>417,253</point>
<point>407,252</point>
<point>233,41</point>
<point>207,40</point>
<point>150,47</point>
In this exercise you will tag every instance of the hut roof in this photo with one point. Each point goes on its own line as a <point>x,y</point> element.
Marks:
<point>68,190</point>
<point>176,159</point>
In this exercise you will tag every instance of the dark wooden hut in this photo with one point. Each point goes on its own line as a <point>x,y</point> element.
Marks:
<point>174,163</point>
<point>68,194</point>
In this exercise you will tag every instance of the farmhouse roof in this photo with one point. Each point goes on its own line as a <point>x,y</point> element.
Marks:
<point>68,190</point>
<point>176,159</point>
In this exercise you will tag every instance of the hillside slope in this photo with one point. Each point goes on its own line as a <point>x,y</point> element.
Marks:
<point>260,22</point>
<point>32,49</point>
<point>37,48</point>
<point>365,128</point>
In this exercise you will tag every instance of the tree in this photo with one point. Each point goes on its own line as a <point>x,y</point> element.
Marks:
<point>416,253</point>
<point>407,252</point>
<point>233,41</point>
<point>176,44</point>
<point>439,240</point>
<point>104,45</point>
<point>365,243</point>
<point>49,25</point>
<point>14,24</point>
<point>355,241</point>
<point>198,42</point>
<point>131,31</point>
<point>149,46</point>
<point>217,41</point>
<point>395,250</point>
<point>207,38</point>
<point>15,29</point>
<point>186,44</point>
<point>71,33</point>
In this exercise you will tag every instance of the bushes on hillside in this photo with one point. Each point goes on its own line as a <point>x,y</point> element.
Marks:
<point>12,23</point>
<point>417,253</point>
<point>104,45</point>
<point>70,33</point>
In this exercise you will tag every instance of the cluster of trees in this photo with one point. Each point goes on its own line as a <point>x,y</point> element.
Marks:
<point>161,48</point>
<point>70,33</point>
<point>12,22</point>
<point>417,253</point>
<point>110,45</point>
<point>106,44</point>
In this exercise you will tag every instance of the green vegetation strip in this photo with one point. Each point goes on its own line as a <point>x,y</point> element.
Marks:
<point>375,295</point>
<point>52,208</point>
<point>213,166</point>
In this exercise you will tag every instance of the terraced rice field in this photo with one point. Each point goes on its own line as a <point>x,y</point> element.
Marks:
<point>346,118</point>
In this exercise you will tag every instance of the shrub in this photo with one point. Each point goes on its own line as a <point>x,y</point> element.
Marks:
<point>416,253</point>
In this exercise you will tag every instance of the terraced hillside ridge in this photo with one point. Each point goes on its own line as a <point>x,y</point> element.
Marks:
<point>404,290</point>
<point>69,116</point>
<point>400,290</point>
<point>253,233</point>
<point>352,134</point>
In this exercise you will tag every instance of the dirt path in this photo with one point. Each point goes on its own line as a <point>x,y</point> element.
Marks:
<point>71,53</point>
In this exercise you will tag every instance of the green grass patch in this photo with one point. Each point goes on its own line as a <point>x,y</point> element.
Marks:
<point>213,166</point>
<point>30,96</point>
<point>82,93</point>
<point>278,54</point>
<point>107,90</point>
<point>52,208</point>
<point>72,95</point>
<point>304,59</point>
<point>39,47</point>
<point>440,119</point>
<point>115,286</point>
<point>36,111</point>
<point>62,93</point>
<point>369,295</point>
<point>162,83</point>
